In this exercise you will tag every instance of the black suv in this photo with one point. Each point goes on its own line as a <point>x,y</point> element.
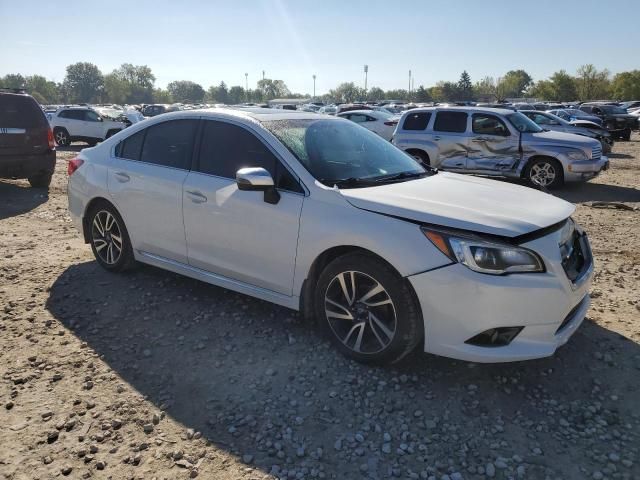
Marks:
<point>27,148</point>
<point>614,118</point>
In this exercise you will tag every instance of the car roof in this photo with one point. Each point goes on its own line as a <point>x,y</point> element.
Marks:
<point>502,111</point>
<point>364,112</point>
<point>259,114</point>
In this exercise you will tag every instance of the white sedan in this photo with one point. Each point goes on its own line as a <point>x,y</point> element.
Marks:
<point>319,215</point>
<point>377,121</point>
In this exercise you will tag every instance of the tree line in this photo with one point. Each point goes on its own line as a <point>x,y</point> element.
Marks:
<point>135,84</point>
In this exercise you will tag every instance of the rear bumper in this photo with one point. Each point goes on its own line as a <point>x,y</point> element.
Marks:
<point>24,166</point>
<point>584,170</point>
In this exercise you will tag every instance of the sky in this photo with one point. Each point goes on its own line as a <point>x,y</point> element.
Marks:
<point>221,40</point>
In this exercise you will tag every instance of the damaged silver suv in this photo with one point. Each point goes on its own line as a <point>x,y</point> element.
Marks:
<point>497,142</point>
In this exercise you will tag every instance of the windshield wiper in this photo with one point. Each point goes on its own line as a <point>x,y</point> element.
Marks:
<point>349,182</point>
<point>405,176</point>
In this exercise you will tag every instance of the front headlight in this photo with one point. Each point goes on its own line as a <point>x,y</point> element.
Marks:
<point>484,256</point>
<point>576,155</point>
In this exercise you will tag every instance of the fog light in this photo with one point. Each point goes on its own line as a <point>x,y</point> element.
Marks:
<point>495,337</point>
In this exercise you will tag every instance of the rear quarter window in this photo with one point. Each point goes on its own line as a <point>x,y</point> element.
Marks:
<point>20,111</point>
<point>417,121</point>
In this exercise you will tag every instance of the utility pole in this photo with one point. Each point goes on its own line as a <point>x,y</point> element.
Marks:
<point>262,74</point>
<point>246,85</point>
<point>409,82</point>
<point>366,72</point>
<point>314,86</point>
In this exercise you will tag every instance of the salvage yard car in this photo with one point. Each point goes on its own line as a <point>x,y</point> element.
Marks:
<point>497,142</point>
<point>71,124</point>
<point>27,148</point>
<point>614,118</point>
<point>322,216</point>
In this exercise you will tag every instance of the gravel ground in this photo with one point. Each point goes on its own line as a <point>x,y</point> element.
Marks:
<point>152,375</point>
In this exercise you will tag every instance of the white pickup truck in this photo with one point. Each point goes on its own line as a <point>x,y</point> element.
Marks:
<point>71,124</point>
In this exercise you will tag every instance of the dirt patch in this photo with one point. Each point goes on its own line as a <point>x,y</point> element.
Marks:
<point>153,375</point>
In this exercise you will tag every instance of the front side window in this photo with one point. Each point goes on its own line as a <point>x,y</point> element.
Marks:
<point>339,152</point>
<point>522,123</point>
<point>454,122</point>
<point>226,148</point>
<point>484,124</point>
<point>169,144</point>
<point>91,116</point>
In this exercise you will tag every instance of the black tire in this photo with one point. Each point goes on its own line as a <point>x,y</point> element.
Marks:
<point>125,259</point>
<point>531,174</point>
<point>626,135</point>
<point>408,327</point>
<point>421,156</point>
<point>41,180</point>
<point>606,147</point>
<point>92,143</point>
<point>61,136</point>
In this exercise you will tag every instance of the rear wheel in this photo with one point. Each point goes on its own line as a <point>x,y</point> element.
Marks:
<point>41,180</point>
<point>545,173</point>
<point>62,137</point>
<point>420,156</point>
<point>367,310</point>
<point>109,239</point>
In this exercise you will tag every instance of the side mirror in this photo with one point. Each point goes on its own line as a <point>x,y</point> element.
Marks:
<point>258,180</point>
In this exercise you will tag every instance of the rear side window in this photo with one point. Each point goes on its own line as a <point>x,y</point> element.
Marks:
<point>417,121</point>
<point>72,114</point>
<point>455,122</point>
<point>20,111</point>
<point>226,148</point>
<point>131,147</point>
<point>169,144</point>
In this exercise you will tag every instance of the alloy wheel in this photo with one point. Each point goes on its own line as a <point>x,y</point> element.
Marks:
<point>61,137</point>
<point>360,312</point>
<point>106,237</point>
<point>542,174</point>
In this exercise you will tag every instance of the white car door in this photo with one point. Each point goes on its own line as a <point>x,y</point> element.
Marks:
<point>145,181</point>
<point>236,233</point>
<point>93,125</point>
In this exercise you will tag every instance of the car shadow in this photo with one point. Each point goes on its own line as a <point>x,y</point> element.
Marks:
<point>18,197</point>
<point>619,155</point>
<point>242,371</point>
<point>596,192</point>
<point>72,148</point>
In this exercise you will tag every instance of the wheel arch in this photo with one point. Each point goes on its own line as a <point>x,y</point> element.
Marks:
<point>321,261</point>
<point>541,157</point>
<point>86,231</point>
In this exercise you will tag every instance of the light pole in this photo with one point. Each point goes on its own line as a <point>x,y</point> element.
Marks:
<point>246,85</point>
<point>314,86</point>
<point>262,74</point>
<point>366,72</point>
<point>409,82</point>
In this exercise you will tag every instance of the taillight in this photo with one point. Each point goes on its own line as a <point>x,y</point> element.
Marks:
<point>391,124</point>
<point>50,140</point>
<point>73,165</point>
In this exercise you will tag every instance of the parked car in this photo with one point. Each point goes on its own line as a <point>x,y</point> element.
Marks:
<point>27,148</point>
<point>328,109</point>
<point>614,118</point>
<point>346,107</point>
<point>629,105</point>
<point>573,114</point>
<point>158,109</point>
<point>549,121</point>
<point>319,215</point>
<point>83,124</point>
<point>497,142</point>
<point>128,116</point>
<point>381,123</point>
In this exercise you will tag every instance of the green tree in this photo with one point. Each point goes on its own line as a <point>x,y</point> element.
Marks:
<point>591,83</point>
<point>422,95</point>
<point>140,81</point>
<point>161,96</point>
<point>83,82</point>
<point>45,91</point>
<point>237,95</point>
<point>186,91</point>
<point>12,80</point>
<point>397,94</point>
<point>485,89</point>
<point>626,85</point>
<point>564,86</point>
<point>273,89</point>
<point>347,92</point>
<point>117,90</point>
<point>465,87</point>
<point>514,84</point>
<point>543,90</point>
<point>375,94</point>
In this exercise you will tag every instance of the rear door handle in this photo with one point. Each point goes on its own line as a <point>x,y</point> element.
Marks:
<point>436,137</point>
<point>122,177</point>
<point>196,197</point>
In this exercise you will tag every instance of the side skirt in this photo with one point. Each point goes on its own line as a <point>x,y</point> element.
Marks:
<point>218,280</point>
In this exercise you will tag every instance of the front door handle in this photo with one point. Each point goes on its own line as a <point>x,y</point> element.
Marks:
<point>196,197</point>
<point>122,177</point>
<point>436,137</point>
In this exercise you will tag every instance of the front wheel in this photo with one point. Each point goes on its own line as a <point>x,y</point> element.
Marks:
<point>109,238</point>
<point>42,180</point>
<point>368,311</point>
<point>62,137</point>
<point>626,135</point>
<point>545,173</point>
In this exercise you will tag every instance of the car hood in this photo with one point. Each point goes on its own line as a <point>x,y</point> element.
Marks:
<point>464,202</point>
<point>559,138</point>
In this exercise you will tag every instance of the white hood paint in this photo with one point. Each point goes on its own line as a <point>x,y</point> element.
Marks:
<point>464,202</point>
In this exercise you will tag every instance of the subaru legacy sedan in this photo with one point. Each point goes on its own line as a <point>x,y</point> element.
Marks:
<point>321,216</point>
